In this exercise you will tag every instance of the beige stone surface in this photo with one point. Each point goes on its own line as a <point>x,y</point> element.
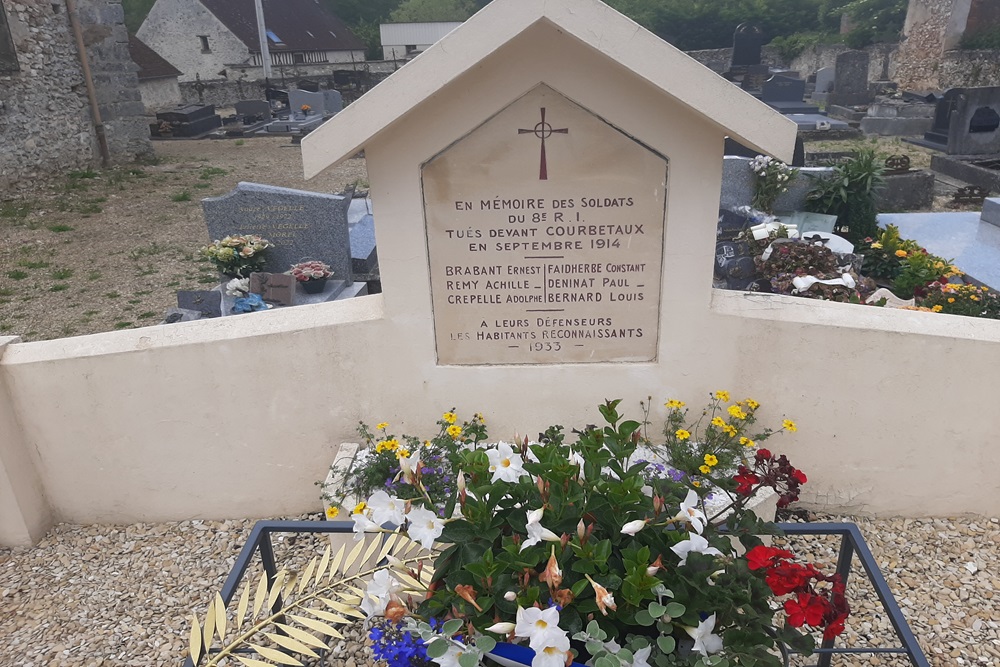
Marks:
<point>545,233</point>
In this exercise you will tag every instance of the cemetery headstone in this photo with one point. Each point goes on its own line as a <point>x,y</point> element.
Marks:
<point>276,288</point>
<point>785,94</point>
<point>824,79</point>
<point>991,211</point>
<point>938,134</point>
<point>253,110</point>
<point>850,82</point>
<point>755,77</point>
<point>333,101</point>
<point>302,225</point>
<point>747,42</point>
<point>974,127</point>
<point>364,258</point>
<point>731,224</point>
<point>969,195</point>
<point>310,85</point>
<point>298,98</point>
<point>206,302</point>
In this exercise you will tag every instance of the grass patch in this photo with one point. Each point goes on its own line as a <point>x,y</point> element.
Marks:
<point>146,315</point>
<point>135,301</point>
<point>122,325</point>
<point>145,292</point>
<point>239,142</point>
<point>209,173</point>
<point>88,209</point>
<point>29,264</point>
<point>6,291</point>
<point>59,287</point>
<point>112,295</point>
<point>82,174</point>
<point>94,275</point>
<point>183,195</point>
<point>68,330</point>
<point>205,280</point>
<point>10,209</point>
<point>173,283</point>
<point>153,248</point>
<point>6,326</point>
<point>91,313</point>
<point>60,228</point>
<point>145,272</point>
<point>17,274</point>
<point>62,274</point>
<point>202,186</point>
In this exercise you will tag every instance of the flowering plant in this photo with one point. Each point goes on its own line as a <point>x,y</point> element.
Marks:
<point>310,270</point>
<point>969,300</point>
<point>584,552</point>
<point>305,108</point>
<point>238,256</point>
<point>771,179</point>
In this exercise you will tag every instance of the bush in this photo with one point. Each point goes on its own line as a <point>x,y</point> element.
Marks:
<point>984,39</point>
<point>849,194</point>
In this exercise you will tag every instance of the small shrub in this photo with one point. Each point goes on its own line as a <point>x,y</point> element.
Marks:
<point>239,142</point>
<point>62,274</point>
<point>59,287</point>
<point>17,274</point>
<point>60,228</point>
<point>208,173</point>
<point>122,325</point>
<point>14,210</point>
<point>849,194</point>
<point>183,195</point>
<point>30,264</point>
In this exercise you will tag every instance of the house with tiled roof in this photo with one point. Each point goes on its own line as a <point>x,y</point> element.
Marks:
<point>158,85</point>
<point>211,38</point>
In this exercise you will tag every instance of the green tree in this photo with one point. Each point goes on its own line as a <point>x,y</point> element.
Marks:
<point>135,13</point>
<point>352,12</point>
<point>418,11</point>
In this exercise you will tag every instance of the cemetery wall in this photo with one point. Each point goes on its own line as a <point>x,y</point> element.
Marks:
<point>960,69</point>
<point>160,94</point>
<point>45,124</point>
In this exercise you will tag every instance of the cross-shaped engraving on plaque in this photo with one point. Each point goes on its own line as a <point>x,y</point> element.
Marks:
<point>543,130</point>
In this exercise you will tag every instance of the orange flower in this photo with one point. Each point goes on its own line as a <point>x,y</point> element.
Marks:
<point>468,593</point>
<point>605,600</point>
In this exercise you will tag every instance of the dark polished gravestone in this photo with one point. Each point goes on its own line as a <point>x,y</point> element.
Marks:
<point>747,42</point>
<point>302,225</point>
<point>253,110</point>
<point>850,81</point>
<point>755,77</point>
<point>785,94</point>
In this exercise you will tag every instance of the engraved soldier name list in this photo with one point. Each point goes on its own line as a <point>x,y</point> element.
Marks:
<point>545,237</point>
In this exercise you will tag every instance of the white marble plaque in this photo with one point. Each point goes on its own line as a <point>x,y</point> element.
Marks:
<point>545,239</point>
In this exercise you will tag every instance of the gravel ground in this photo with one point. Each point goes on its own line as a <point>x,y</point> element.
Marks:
<point>123,595</point>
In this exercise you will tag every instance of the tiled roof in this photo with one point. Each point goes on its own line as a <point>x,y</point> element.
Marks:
<point>151,64</point>
<point>293,25</point>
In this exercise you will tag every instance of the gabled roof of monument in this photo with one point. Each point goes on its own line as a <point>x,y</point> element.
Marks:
<point>738,113</point>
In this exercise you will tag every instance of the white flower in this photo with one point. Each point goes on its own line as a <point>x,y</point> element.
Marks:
<point>704,641</point>
<point>238,287</point>
<point>380,591</point>
<point>691,514</point>
<point>537,532</point>
<point>362,525</point>
<point>633,527</point>
<point>450,659</point>
<point>504,463</point>
<point>425,526</point>
<point>612,646</point>
<point>386,508</point>
<point>501,628</point>
<point>640,658</point>
<point>577,459</point>
<point>553,655</point>
<point>510,596</point>
<point>408,466</point>
<point>540,627</point>
<point>694,544</point>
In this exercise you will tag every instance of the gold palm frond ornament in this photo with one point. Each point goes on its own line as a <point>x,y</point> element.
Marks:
<point>294,614</point>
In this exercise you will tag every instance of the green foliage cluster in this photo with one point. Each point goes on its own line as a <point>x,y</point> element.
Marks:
<point>849,194</point>
<point>984,39</point>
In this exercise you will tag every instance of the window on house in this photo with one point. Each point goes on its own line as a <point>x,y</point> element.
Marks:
<point>8,56</point>
<point>204,44</point>
<point>411,48</point>
<point>298,58</point>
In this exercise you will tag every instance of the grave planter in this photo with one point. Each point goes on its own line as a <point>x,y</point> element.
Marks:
<point>314,286</point>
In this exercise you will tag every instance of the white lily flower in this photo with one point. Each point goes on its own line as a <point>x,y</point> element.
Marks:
<point>501,628</point>
<point>504,463</point>
<point>534,516</point>
<point>691,514</point>
<point>633,527</point>
<point>540,627</point>
<point>380,591</point>
<point>641,657</point>
<point>425,526</point>
<point>694,544</point>
<point>553,655</point>
<point>362,525</point>
<point>537,532</point>
<point>386,508</point>
<point>704,641</point>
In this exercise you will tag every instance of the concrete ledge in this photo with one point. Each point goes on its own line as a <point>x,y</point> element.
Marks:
<point>896,127</point>
<point>906,192</point>
<point>963,170</point>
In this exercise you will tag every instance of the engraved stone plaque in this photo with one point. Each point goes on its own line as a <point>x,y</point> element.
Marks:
<point>545,239</point>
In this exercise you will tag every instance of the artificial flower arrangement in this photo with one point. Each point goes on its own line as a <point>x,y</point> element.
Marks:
<point>305,108</point>
<point>771,179</point>
<point>238,256</point>
<point>607,548</point>
<point>310,270</point>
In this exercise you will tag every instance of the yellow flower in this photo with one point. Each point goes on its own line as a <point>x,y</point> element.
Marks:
<point>789,425</point>
<point>402,453</point>
<point>480,418</point>
<point>449,417</point>
<point>696,483</point>
<point>454,430</point>
<point>957,271</point>
<point>736,412</point>
<point>332,512</point>
<point>674,404</point>
<point>939,265</point>
<point>974,297</point>
<point>747,442</point>
<point>718,421</point>
<point>360,507</point>
<point>392,444</point>
<point>752,404</point>
<point>705,470</point>
<point>382,426</point>
<point>938,308</point>
<point>729,429</point>
<point>951,299</point>
<point>876,245</point>
<point>710,460</point>
<point>427,444</point>
<point>682,434</point>
<point>722,396</point>
<point>900,253</point>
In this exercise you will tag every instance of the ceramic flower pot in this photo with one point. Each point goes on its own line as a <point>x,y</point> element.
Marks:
<point>313,286</point>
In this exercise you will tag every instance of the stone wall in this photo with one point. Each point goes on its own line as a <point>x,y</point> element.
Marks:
<point>969,69</point>
<point>45,124</point>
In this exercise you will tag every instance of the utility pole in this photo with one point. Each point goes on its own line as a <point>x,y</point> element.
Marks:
<point>265,54</point>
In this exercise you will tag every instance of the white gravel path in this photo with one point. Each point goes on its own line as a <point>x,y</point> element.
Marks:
<point>122,595</point>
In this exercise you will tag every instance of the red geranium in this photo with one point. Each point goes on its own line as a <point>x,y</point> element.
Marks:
<point>806,609</point>
<point>761,556</point>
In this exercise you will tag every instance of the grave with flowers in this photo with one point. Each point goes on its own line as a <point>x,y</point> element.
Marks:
<point>538,223</point>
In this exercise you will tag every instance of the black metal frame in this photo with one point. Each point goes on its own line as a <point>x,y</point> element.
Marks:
<point>851,543</point>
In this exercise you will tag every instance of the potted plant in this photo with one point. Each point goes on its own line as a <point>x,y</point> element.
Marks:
<point>238,256</point>
<point>609,548</point>
<point>311,274</point>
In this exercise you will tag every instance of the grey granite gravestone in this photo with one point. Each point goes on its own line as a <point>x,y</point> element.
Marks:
<point>255,109</point>
<point>782,89</point>
<point>302,225</point>
<point>364,259</point>
<point>850,81</point>
<point>975,122</point>
<point>206,302</point>
<point>316,101</point>
<point>991,211</point>
<point>824,79</point>
<point>333,101</point>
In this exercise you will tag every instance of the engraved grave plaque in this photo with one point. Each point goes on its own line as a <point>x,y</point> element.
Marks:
<point>545,239</point>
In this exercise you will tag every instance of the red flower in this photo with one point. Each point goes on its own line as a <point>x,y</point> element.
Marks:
<point>762,556</point>
<point>763,454</point>
<point>786,578</point>
<point>806,608</point>
<point>799,476</point>
<point>745,481</point>
<point>835,628</point>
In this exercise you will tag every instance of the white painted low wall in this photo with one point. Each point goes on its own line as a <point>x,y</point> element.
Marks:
<point>238,417</point>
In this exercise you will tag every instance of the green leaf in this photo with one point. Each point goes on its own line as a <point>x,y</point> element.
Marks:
<point>451,627</point>
<point>468,659</point>
<point>666,644</point>
<point>656,609</point>
<point>675,609</point>
<point>642,617</point>
<point>437,648</point>
<point>485,644</point>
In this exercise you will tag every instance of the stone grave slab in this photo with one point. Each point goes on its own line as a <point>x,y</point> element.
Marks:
<point>747,42</point>
<point>991,211</point>
<point>807,222</point>
<point>316,101</point>
<point>302,225</point>
<point>206,302</point>
<point>364,257</point>
<point>819,122</point>
<point>333,101</point>
<point>253,109</point>
<point>974,127</point>
<point>824,80</point>
<point>783,89</point>
<point>276,288</point>
<point>850,84</point>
